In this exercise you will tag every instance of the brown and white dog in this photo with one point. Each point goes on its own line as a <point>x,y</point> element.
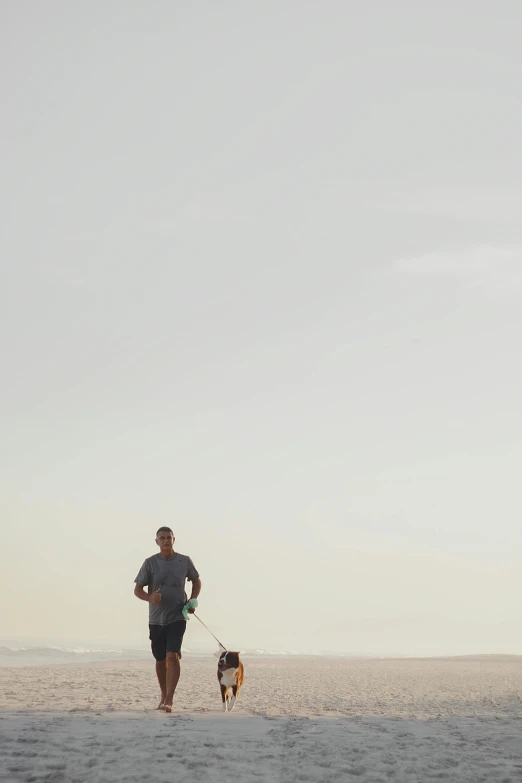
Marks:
<point>230,675</point>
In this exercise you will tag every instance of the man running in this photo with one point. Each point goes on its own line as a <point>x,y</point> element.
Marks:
<point>164,574</point>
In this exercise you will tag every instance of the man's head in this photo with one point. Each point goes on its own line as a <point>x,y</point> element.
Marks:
<point>165,539</point>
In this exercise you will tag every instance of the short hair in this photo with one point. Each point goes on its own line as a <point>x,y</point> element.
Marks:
<point>164,530</point>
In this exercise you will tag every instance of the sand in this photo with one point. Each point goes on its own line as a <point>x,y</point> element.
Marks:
<point>296,720</point>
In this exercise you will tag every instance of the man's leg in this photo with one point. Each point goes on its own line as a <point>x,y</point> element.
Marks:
<point>174,637</point>
<point>158,645</point>
<point>173,672</point>
<point>161,672</point>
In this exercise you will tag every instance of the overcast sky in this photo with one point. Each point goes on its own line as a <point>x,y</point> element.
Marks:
<point>262,282</point>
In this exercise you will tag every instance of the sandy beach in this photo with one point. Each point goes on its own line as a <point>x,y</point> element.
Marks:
<point>297,719</point>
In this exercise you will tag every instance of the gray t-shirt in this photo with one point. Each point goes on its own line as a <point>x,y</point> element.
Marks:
<point>169,575</point>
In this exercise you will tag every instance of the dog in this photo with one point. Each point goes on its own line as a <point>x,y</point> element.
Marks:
<point>230,674</point>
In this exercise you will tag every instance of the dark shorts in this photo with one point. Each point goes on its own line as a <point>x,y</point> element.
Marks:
<point>166,638</point>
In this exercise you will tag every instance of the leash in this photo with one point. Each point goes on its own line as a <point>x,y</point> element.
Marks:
<point>210,632</point>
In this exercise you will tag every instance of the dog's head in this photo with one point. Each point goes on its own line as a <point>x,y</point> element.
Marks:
<point>228,660</point>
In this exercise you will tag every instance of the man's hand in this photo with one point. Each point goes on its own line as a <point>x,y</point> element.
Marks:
<point>155,597</point>
<point>191,611</point>
<point>196,589</point>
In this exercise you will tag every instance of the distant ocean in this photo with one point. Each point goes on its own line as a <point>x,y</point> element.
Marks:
<point>48,655</point>
<point>17,654</point>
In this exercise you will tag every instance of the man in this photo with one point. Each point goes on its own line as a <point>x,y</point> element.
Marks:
<point>164,575</point>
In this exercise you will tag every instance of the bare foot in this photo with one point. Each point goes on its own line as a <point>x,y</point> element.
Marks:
<point>168,707</point>
<point>161,705</point>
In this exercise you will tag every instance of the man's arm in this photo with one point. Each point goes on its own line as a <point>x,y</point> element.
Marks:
<point>196,587</point>
<point>152,598</point>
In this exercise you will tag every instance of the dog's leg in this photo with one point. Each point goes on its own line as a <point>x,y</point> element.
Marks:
<point>235,694</point>
<point>224,697</point>
<point>227,698</point>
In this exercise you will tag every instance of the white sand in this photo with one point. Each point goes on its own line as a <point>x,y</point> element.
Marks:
<point>297,719</point>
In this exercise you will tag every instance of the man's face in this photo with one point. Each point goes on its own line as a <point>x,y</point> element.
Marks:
<point>165,541</point>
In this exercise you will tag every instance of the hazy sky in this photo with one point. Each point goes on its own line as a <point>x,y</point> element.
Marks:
<point>262,282</point>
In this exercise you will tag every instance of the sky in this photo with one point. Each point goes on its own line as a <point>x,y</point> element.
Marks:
<point>261,281</point>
